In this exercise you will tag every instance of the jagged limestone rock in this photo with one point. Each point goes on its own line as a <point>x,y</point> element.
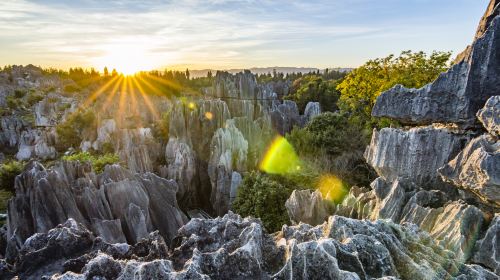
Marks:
<point>489,115</point>
<point>231,247</point>
<point>142,203</point>
<point>308,207</point>
<point>487,249</point>
<point>312,110</point>
<point>455,96</point>
<point>181,166</point>
<point>415,154</point>
<point>477,169</point>
<point>229,153</point>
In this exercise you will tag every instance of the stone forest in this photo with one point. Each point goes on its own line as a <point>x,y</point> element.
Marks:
<point>252,176</point>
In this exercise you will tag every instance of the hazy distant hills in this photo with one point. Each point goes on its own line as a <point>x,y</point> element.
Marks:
<point>265,70</point>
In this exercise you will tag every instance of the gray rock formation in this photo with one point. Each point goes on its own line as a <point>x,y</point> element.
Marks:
<point>308,207</point>
<point>141,203</point>
<point>487,252</point>
<point>229,153</point>
<point>312,110</point>
<point>234,248</point>
<point>477,169</point>
<point>490,115</point>
<point>456,95</point>
<point>415,154</point>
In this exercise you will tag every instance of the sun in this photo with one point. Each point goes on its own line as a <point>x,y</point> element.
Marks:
<point>125,58</point>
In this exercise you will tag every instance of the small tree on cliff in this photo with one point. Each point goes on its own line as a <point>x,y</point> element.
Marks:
<point>362,86</point>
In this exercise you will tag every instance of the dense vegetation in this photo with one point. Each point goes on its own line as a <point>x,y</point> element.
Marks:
<point>264,196</point>
<point>362,86</point>
<point>97,161</point>
<point>314,88</point>
<point>71,131</point>
<point>8,172</point>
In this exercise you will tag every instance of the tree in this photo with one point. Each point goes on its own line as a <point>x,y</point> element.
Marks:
<point>187,74</point>
<point>114,73</point>
<point>362,86</point>
<point>311,88</point>
<point>106,73</point>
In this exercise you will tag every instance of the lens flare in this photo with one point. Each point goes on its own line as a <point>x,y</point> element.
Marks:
<point>332,188</point>
<point>280,158</point>
<point>209,115</point>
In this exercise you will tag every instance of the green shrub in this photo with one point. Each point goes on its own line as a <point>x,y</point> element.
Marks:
<point>8,172</point>
<point>264,197</point>
<point>330,143</point>
<point>71,131</point>
<point>71,88</point>
<point>98,162</point>
<point>4,199</point>
<point>161,128</point>
<point>18,93</point>
<point>108,148</point>
<point>34,98</point>
<point>13,102</point>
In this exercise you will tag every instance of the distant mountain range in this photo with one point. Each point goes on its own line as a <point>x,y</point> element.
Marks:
<point>265,70</point>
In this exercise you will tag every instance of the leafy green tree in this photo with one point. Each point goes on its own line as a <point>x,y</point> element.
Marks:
<point>313,88</point>
<point>362,86</point>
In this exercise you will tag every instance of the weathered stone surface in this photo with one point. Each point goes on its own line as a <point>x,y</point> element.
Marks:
<point>308,207</point>
<point>477,169</point>
<point>285,117</point>
<point>229,153</point>
<point>312,110</point>
<point>456,95</point>
<point>487,249</point>
<point>234,248</point>
<point>490,115</point>
<point>141,203</point>
<point>415,154</point>
<point>181,166</point>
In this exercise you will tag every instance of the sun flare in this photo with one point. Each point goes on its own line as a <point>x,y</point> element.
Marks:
<point>126,59</point>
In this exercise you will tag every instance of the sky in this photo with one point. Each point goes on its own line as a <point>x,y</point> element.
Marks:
<point>223,34</point>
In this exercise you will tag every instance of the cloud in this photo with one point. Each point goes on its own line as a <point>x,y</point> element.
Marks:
<point>217,32</point>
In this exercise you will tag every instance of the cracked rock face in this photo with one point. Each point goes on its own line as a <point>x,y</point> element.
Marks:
<point>231,247</point>
<point>415,154</point>
<point>456,95</point>
<point>308,207</point>
<point>490,115</point>
<point>487,249</point>
<point>477,169</point>
<point>115,205</point>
